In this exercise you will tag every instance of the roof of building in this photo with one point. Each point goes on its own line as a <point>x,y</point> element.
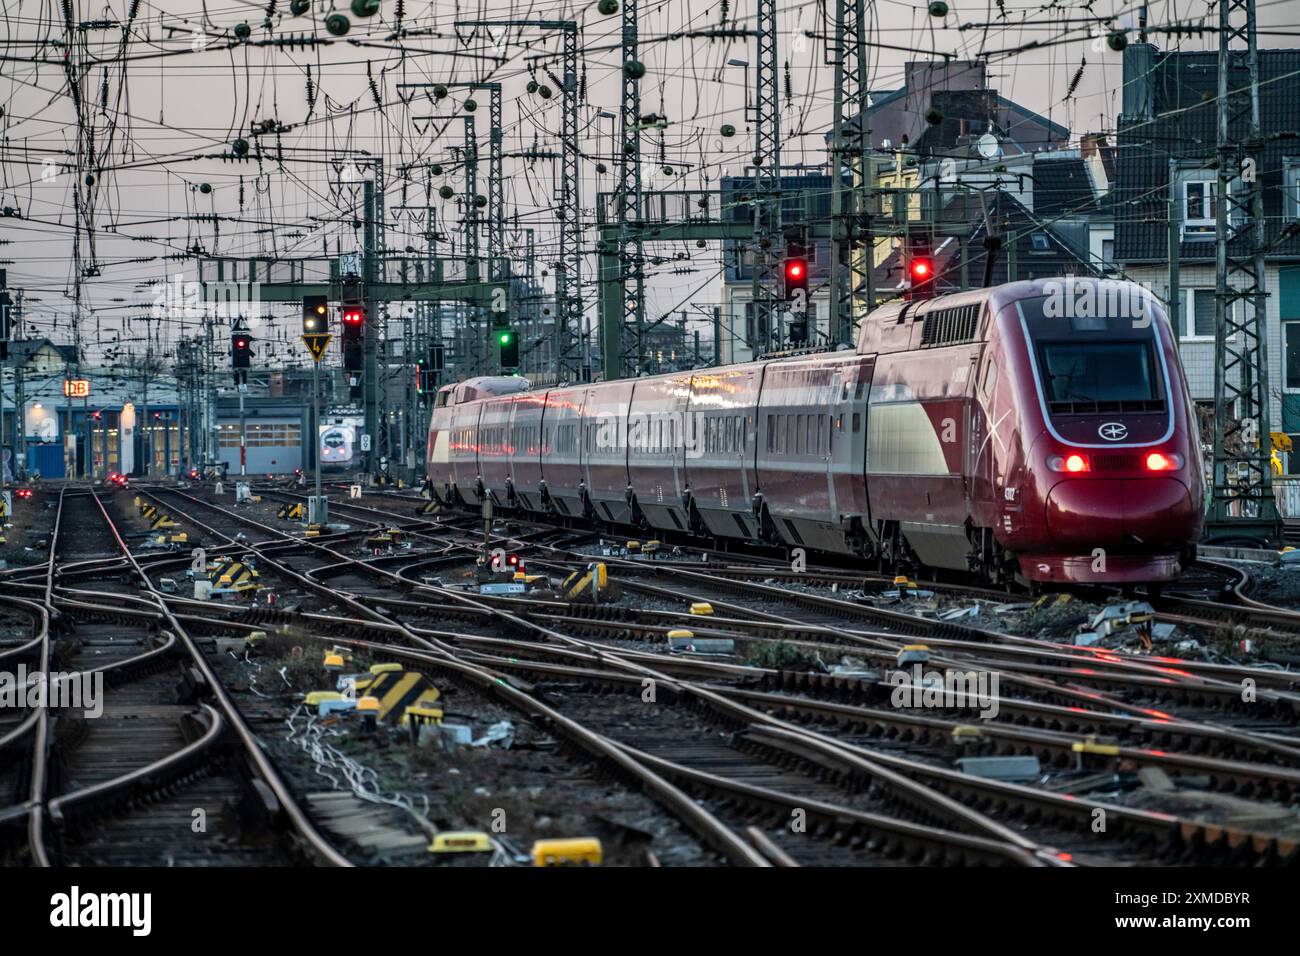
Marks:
<point>22,350</point>
<point>1183,127</point>
<point>966,113</point>
<point>1062,188</point>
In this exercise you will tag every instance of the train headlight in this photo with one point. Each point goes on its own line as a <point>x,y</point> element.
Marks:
<point>1163,461</point>
<point>1073,463</point>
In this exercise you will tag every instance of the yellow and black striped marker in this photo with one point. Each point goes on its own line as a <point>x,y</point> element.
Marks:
<point>161,521</point>
<point>291,512</point>
<point>397,690</point>
<point>430,508</point>
<point>578,587</point>
<point>230,573</point>
<point>148,510</point>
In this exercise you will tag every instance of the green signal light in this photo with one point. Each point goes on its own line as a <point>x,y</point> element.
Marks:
<point>505,338</point>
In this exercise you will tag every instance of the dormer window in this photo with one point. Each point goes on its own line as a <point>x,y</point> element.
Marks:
<point>1198,209</point>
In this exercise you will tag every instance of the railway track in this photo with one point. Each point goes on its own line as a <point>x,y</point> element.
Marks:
<point>738,748</point>
<point>150,762</point>
<point>1264,738</point>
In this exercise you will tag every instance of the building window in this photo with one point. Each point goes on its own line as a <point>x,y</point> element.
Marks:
<point>1038,242</point>
<point>1107,254</point>
<point>1198,316</point>
<point>1291,190</point>
<point>1291,345</point>
<point>1198,209</point>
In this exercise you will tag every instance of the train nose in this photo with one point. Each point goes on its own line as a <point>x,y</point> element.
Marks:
<point>1101,513</point>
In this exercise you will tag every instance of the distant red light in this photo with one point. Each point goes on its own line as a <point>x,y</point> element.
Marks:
<point>1076,464</point>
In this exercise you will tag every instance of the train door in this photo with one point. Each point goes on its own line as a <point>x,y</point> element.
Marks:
<point>848,445</point>
<point>981,445</point>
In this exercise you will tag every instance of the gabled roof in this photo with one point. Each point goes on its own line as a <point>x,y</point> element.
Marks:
<point>22,350</point>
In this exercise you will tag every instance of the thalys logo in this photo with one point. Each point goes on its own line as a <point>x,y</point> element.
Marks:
<point>1113,431</point>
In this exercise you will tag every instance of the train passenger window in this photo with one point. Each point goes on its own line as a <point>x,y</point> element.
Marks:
<point>771,433</point>
<point>857,422</point>
<point>823,436</point>
<point>859,389</point>
<point>811,444</point>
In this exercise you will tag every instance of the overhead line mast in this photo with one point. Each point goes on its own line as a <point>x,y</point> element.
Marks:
<point>1242,504</point>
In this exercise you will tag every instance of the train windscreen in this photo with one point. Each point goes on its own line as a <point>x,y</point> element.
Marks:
<point>1098,371</point>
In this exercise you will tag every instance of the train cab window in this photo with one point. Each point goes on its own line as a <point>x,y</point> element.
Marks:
<point>990,378</point>
<point>1092,372</point>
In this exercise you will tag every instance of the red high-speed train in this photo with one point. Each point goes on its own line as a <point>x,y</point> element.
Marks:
<point>1037,431</point>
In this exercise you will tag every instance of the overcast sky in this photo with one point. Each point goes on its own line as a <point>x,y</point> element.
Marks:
<point>164,104</point>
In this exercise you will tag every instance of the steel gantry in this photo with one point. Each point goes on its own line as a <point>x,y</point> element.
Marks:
<point>1242,504</point>
<point>768,239</point>
<point>626,340</point>
<point>568,272</point>
<point>852,295</point>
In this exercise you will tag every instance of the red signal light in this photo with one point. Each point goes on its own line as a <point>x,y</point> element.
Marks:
<point>796,268</point>
<point>353,316</point>
<point>243,342</point>
<point>921,268</point>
